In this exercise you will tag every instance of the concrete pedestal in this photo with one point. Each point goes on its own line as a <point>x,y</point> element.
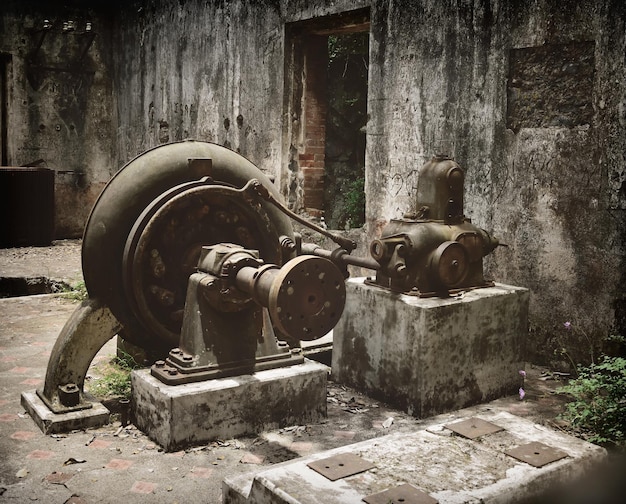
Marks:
<point>53,423</point>
<point>431,355</point>
<point>181,415</point>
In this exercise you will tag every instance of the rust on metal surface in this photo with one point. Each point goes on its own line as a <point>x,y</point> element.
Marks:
<point>474,427</point>
<point>172,372</point>
<point>164,246</point>
<point>536,454</point>
<point>307,297</point>
<point>341,466</point>
<point>403,494</point>
<point>304,299</point>
<point>436,250</point>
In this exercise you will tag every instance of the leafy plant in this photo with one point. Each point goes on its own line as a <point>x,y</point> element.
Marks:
<point>347,70</point>
<point>341,45</point>
<point>115,379</point>
<point>77,292</point>
<point>355,202</point>
<point>571,332</point>
<point>598,406</point>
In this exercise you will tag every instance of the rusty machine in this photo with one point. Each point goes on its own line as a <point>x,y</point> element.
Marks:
<point>435,250</point>
<point>189,254</point>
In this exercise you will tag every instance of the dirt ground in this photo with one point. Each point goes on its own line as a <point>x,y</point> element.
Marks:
<point>59,262</point>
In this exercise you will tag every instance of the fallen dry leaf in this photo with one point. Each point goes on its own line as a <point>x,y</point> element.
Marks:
<point>387,423</point>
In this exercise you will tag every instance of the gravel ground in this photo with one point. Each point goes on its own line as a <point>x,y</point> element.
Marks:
<point>59,262</point>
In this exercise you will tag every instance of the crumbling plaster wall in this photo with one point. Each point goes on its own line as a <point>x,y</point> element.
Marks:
<point>568,183</point>
<point>554,192</point>
<point>211,71</point>
<point>60,105</point>
<point>439,82</point>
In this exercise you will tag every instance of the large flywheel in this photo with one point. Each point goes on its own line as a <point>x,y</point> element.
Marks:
<point>143,237</point>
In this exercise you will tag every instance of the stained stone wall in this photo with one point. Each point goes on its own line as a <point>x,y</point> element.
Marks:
<point>60,109</point>
<point>529,97</point>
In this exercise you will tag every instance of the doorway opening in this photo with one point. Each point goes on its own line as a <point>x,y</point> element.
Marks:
<point>327,61</point>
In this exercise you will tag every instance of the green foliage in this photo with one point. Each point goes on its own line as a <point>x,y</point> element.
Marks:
<point>615,345</point>
<point>115,379</point>
<point>77,292</point>
<point>344,199</point>
<point>616,339</point>
<point>340,45</point>
<point>598,406</point>
<point>355,202</point>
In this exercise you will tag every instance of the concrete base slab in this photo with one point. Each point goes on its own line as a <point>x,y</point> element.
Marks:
<point>450,468</point>
<point>181,415</point>
<point>431,355</point>
<point>52,423</point>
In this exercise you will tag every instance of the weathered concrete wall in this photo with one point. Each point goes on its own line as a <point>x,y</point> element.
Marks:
<point>529,97</point>
<point>209,71</point>
<point>553,191</point>
<point>60,103</point>
<point>559,199</point>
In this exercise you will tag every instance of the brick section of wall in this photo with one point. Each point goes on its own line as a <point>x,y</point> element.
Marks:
<point>314,110</point>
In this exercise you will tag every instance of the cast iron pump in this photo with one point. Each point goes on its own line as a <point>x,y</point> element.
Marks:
<point>436,250</point>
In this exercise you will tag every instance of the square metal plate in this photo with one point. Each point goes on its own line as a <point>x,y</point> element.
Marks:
<point>474,427</point>
<point>341,466</point>
<point>403,494</point>
<point>536,454</point>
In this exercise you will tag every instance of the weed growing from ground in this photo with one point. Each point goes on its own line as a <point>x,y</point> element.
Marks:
<point>598,406</point>
<point>77,292</point>
<point>115,379</point>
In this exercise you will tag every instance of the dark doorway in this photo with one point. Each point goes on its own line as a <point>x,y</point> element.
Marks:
<point>344,197</point>
<point>326,79</point>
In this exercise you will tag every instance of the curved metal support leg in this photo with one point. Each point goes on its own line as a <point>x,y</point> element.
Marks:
<point>88,329</point>
<point>61,406</point>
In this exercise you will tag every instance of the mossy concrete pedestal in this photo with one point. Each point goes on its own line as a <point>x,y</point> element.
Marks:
<point>431,355</point>
<point>177,416</point>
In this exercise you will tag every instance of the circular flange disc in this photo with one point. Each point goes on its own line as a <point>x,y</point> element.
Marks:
<point>449,264</point>
<point>307,297</point>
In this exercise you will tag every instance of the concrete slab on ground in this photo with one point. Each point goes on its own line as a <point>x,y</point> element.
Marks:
<point>54,423</point>
<point>450,468</point>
